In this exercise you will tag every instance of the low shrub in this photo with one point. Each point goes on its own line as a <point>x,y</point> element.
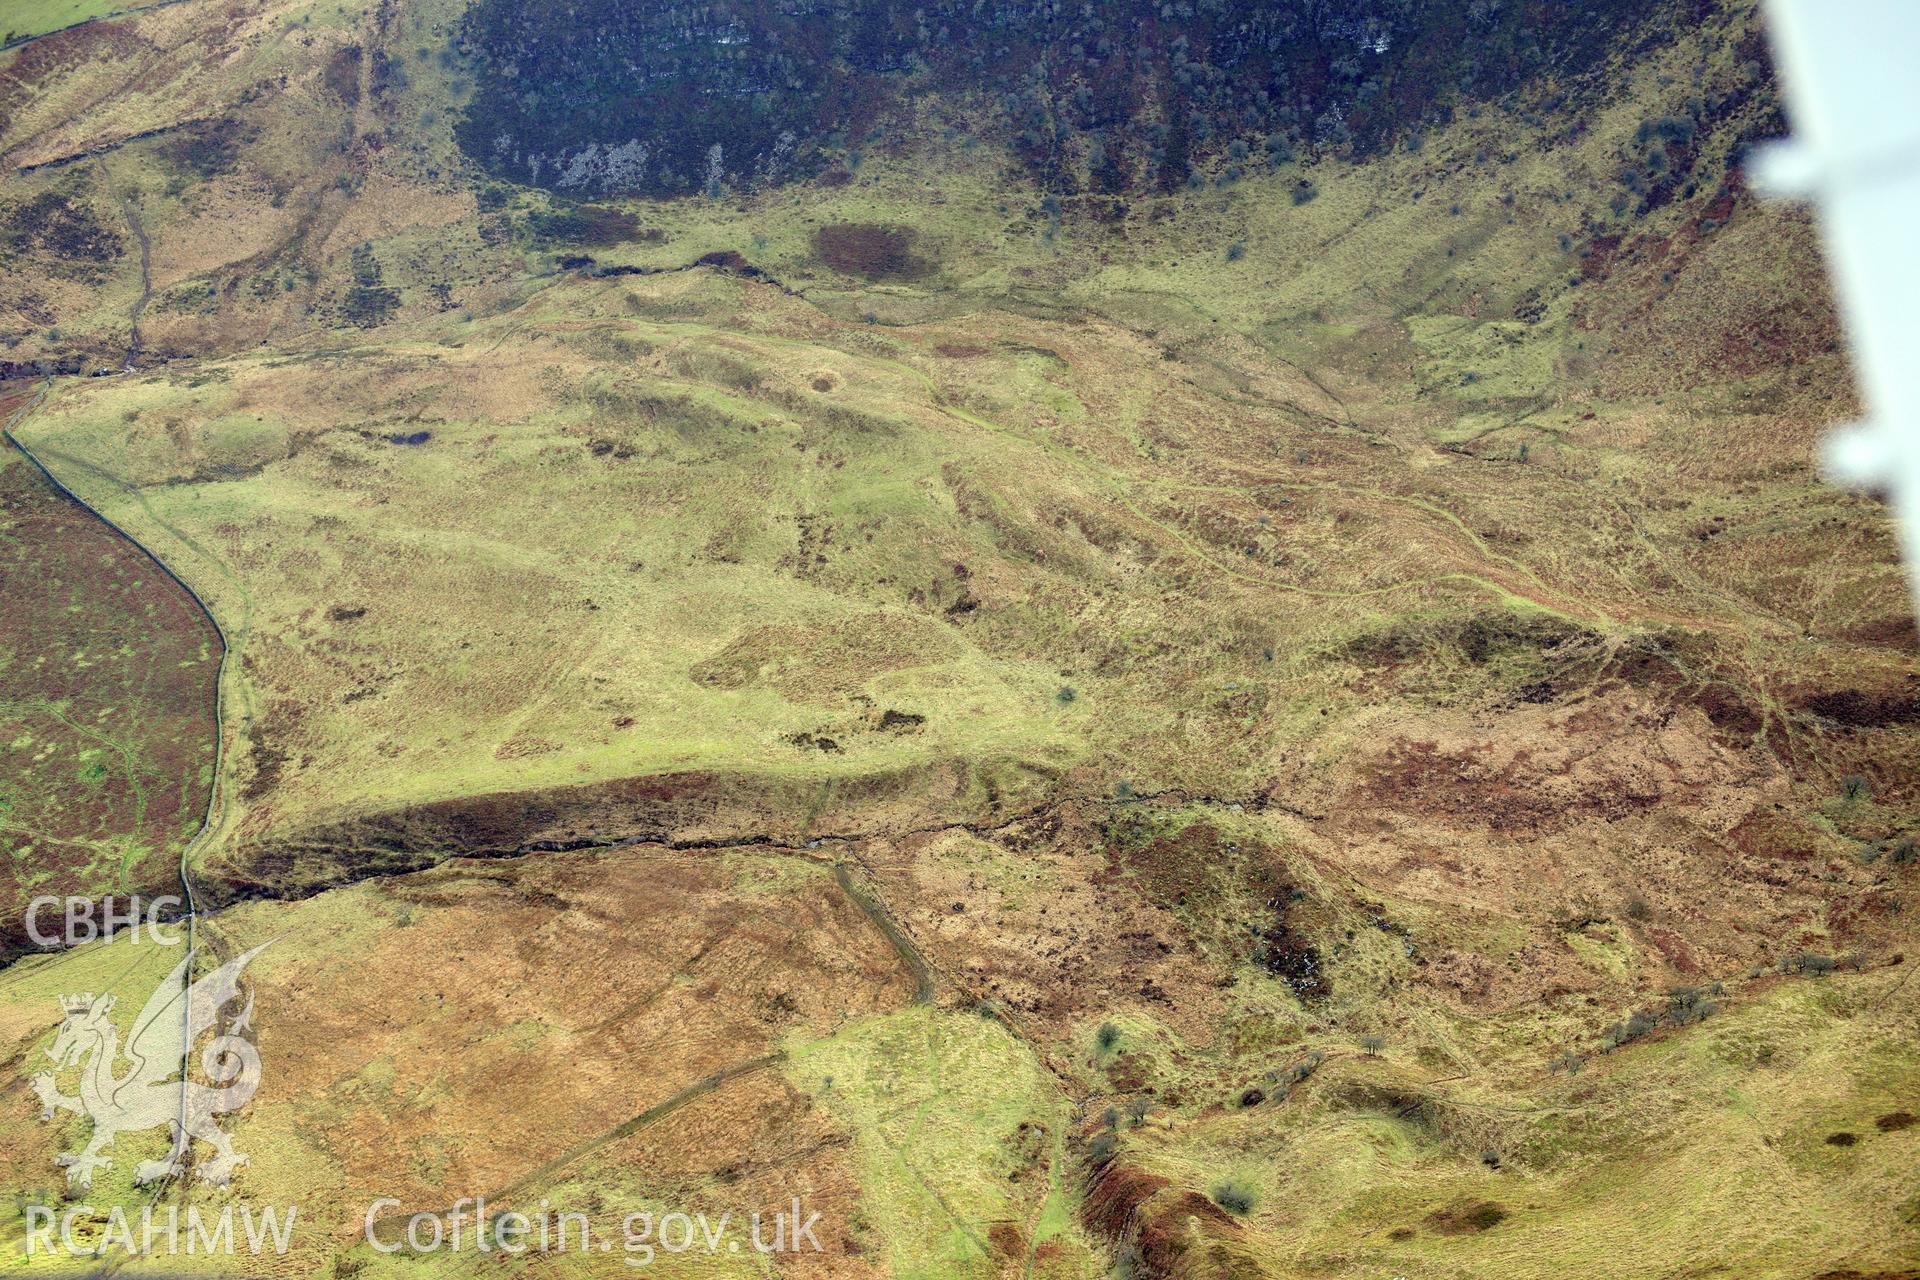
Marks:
<point>1235,1199</point>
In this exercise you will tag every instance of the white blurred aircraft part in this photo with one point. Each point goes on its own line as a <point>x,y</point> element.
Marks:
<point>1852,74</point>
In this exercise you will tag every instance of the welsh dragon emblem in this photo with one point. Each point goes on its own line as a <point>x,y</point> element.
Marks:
<point>142,1096</point>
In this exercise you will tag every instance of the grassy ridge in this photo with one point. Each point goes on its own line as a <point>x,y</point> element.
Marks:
<point>961,1141</point>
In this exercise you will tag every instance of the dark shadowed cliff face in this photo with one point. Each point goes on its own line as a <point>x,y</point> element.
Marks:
<point>604,96</point>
